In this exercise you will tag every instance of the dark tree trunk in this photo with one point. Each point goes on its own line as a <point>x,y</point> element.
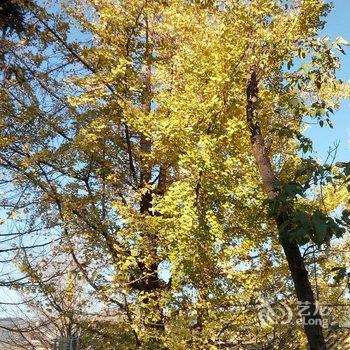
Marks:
<point>151,283</point>
<point>303,289</point>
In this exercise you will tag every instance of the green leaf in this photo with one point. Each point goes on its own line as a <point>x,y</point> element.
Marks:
<point>347,169</point>
<point>320,226</point>
<point>303,218</point>
<point>302,235</point>
<point>294,102</point>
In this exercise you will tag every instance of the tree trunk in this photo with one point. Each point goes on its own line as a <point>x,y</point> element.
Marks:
<point>151,283</point>
<point>303,289</point>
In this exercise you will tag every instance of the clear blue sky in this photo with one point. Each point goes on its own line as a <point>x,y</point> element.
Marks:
<point>338,24</point>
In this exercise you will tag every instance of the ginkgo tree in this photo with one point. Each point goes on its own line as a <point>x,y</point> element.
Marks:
<point>160,145</point>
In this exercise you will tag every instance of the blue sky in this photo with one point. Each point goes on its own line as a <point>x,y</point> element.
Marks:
<point>338,24</point>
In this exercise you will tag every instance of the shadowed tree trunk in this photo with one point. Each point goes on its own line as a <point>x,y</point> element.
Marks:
<point>303,289</point>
